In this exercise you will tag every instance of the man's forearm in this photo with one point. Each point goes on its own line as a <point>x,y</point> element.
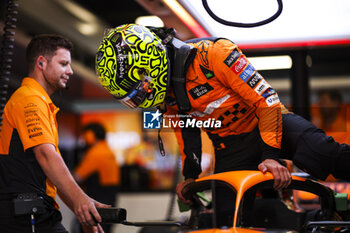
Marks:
<point>57,172</point>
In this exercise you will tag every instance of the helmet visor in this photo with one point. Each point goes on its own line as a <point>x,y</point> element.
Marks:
<point>138,95</point>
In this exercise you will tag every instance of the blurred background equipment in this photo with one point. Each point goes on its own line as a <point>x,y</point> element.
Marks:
<point>243,25</point>
<point>6,52</point>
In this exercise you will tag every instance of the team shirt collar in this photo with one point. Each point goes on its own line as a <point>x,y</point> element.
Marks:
<point>30,82</point>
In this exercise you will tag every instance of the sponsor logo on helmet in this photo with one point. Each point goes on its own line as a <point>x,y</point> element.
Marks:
<point>120,60</point>
<point>232,57</point>
<point>115,38</point>
<point>247,73</point>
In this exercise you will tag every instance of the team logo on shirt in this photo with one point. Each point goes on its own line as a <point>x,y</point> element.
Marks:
<point>203,52</point>
<point>200,90</point>
<point>32,120</point>
<point>232,57</point>
<point>270,91</point>
<point>273,99</point>
<point>270,96</point>
<point>247,73</point>
<point>254,80</point>
<point>239,65</point>
<point>261,87</point>
<point>207,73</point>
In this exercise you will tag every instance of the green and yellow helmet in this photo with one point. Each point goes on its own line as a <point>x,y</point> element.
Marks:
<point>132,64</point>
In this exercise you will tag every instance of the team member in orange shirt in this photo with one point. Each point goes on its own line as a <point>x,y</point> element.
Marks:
<point>30,161</point>
<point>98,169</point>
<point>211,80</point>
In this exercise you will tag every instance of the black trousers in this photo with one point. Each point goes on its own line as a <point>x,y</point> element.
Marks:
<point>50,222</point>
<point>307,146</point>
<point>312,150</point>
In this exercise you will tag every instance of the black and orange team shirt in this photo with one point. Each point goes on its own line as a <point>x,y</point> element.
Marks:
<point>100,159</point>
<point>29,120</point>
<point>223,85</point>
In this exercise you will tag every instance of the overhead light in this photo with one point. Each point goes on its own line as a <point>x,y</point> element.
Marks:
<point>300,23</point>
<point>271,62</point>
<point>78,11</point>
<point>87,29</point>
<point>87,23</point>
<point>151,20</point>
<point>186,18</point>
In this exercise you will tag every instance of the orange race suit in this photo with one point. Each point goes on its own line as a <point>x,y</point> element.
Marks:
<point>222,85</point>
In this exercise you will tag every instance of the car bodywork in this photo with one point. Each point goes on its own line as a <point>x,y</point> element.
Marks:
<point>254,206</point>
<point>268,214</point>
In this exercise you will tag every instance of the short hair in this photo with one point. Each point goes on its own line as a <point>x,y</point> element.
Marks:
<point>45,45</point>
<point>97,129</point>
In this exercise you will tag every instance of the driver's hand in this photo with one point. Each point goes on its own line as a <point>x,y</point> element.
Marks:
<point>280,173</point>
<point>179,189</point>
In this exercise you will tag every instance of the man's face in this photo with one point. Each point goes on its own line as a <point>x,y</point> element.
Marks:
<point>89,137</point>
<point>58,70</point>
<point>328,107</point>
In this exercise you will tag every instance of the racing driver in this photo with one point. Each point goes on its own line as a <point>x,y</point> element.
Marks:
<point>210,78</point>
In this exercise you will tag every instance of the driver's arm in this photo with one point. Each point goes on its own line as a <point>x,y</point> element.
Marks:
<point>267,104</point>
<point>190,146</point>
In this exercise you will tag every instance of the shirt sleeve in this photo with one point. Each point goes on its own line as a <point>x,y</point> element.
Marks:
<point>238,74</point>
<point>32,121</point>
<point>190,146</point>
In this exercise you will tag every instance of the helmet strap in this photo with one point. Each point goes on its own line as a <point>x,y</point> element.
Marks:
<point>182,56</point>
<point>162,109</point>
